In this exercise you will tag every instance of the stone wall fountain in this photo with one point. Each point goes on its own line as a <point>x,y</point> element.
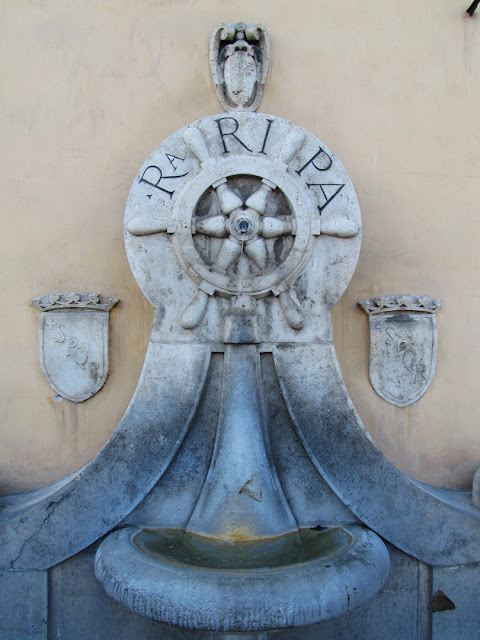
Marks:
<point>242,270</point>
<point>241,492</point>
<point>227,208</point>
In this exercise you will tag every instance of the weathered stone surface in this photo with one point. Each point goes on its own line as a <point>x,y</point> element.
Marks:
<point>23,605</point>
<point>169,503</point>
<point>476,489</point>
<point>310,498</point>
<point>89,301</point>
<point>460,619</point>
<point>80,608</point>
<point>241,460</point>
<point>403,346</point>
<point>290,291</point>
<point>347,573</point>
<point>398,611</point>
<point>46,528</point>
<point>242,231</point>
<point>74,352</point>
<point>438,527</point>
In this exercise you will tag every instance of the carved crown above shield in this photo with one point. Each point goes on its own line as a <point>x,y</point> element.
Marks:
<point>74,342</point>
<point>239,58</point>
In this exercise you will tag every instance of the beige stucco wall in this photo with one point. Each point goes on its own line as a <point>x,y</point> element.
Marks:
<point>89,89</point>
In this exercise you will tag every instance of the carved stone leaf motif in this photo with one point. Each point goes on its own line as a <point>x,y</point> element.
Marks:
<point>403,346</point>
<point>74,343</point>
<point>239,58</point>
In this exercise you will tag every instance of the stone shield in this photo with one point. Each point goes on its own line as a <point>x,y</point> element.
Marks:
<point>74,343</point>
<point>403,346</point>
<point>239,59</point>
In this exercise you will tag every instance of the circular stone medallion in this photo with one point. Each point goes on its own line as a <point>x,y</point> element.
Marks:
<point>243,197</point>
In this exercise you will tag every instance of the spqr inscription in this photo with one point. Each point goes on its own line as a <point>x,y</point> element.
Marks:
<point>408,355</point>
<point>73,350</point>
<point>403,346</point>
<point>79,352</point>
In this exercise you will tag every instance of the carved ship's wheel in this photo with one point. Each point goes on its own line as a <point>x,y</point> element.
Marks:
<point>247,261</point>
<point>242,225</point>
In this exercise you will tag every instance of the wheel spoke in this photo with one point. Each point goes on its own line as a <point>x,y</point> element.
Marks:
<point>293,313</point>
<point>257,252</point>
<point>215,226</point>
<point>229,201</point>
<point>195,310</point>
<point>259,199</point>
<point>220,226</point>
<point>229,252</point>
<point>274,227</point>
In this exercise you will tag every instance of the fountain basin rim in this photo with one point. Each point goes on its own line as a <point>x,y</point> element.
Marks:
<point>224,555</point>
<point>259,600</point>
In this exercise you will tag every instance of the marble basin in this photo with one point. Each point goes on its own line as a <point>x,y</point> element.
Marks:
<point>202,582</point>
